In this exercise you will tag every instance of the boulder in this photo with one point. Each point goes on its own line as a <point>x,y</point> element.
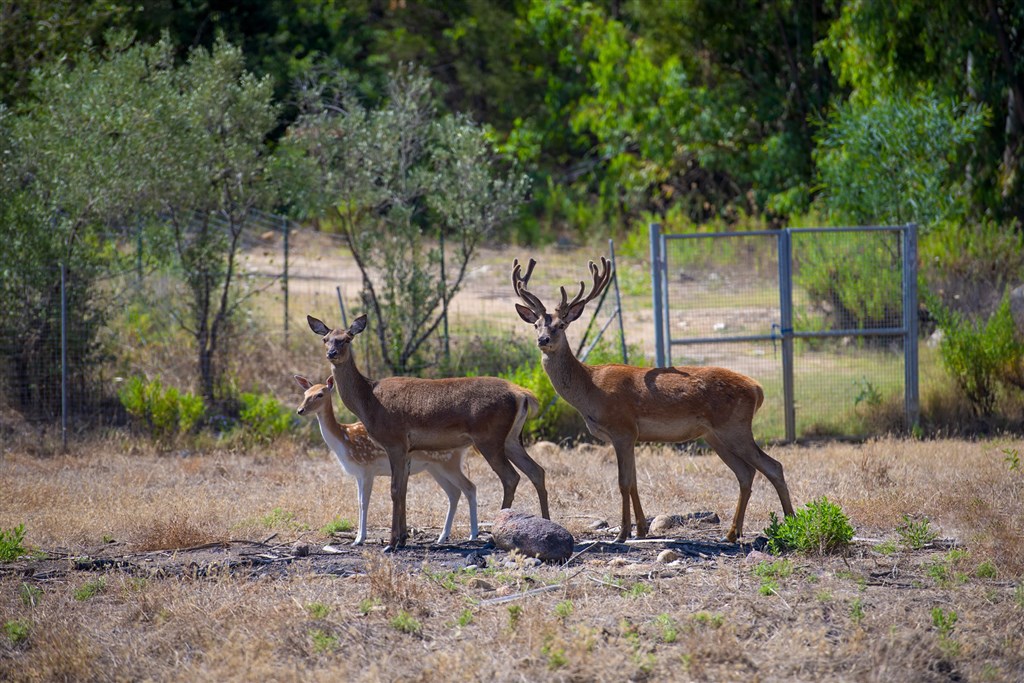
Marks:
<point>532,536</point>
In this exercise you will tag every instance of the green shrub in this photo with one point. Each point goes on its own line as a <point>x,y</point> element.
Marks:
<point>12,543</point>
<point>163,412</point>
<point>264,418</point>
<point>979,356</point>
<point>915,534</point>
<point>17,630</point>
<point>820,528</point>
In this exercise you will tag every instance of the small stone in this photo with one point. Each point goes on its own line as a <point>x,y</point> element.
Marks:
<point>598,524</point>
<point>480,584</point>
<point>617,562</point>
<point>300,550</point>
<point>663,523</point>
<point>667,555</point>
<point>475,560</point>
<point>757,557</point>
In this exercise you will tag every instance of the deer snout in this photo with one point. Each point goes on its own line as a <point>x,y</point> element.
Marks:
<point>332,353</point>
<point>300,410</point>
<point>543,340</point>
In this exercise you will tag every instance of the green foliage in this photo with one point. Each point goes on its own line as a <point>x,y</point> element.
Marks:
<point>515,613</point>
<point>857,610</point>
<point>916,533</point>
<point>30,595</point>
<point>986,570</point>
<point>90,589</point>
<point>337,525</point>
<point>856,278</point>
<point>279,517</point>
<point>318,610</point>
<point>12,543</point>
<point>465,618</point>
<point>432,183</point>
<point>980,355</point>
<point>944,621</point>
<point>820,527</point>
<point>564,609</point>
<point>323,641</point>
<point>712,619</point>
<point>403,622</point>
<point>162,412</point>
<point>1012,459</point>
<point>17,630</point>
<point>263,418</point>
<point>896,160</point>
<point>668,627</point>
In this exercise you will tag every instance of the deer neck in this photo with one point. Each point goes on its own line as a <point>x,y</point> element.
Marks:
<point>355,390</point>
<point>330,429</point>
<point>570,378</point>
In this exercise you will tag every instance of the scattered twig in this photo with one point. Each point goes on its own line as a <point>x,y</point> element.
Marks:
<point>517,596</point>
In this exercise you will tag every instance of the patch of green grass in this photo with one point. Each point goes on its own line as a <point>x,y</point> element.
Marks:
<point>555,654</point>
<point>366,605</point>
<point>17,630</point>
<point>667,627</point>
<point>638,589</point>
<point>886,548</point>
<point>820,527</point>
<point>916,533</point>
<point>944,621</point>
<point>986,570</point>
<point>90,589</point>
<point>12,543</point>
<point>515,613</point>
<point>1018,595</point>
<point>1012,459</point>
<point>857,610</point>
<point>323,641</point>
<point>279,517</point>
<point>824,596</point>
<point>30,594</point>
<point>403,622</point>
<point>338,525</point>
<point>465,618</point>
<point>563,610</point>
<point>712,619</point>
<point>318,610</point>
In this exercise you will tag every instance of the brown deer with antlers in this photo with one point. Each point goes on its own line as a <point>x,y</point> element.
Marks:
<point>622,404</point>
<point>408,413</point>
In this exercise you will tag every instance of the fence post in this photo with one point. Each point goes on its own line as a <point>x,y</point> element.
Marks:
<point>786,325</point>
<point>657,304</point>
<point>618,303</point>
<point>63,357</point>
<point>284,276</point>
<point>910,360</point>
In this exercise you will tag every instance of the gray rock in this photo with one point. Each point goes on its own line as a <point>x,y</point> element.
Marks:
<point>532,536</point>
<point>598,524</point>
<point>667,555</point>
<point>663,523</point>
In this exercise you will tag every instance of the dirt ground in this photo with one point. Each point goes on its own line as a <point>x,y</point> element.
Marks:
<point>214,565</point>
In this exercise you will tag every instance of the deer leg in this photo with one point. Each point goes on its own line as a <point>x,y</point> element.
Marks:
<point>452,491</point>
<point>625,457</point>
<point>398,456</point>
<point>495,456</point>
<point>533,471</point>
<point>465,485</point>
<point>772,470</point>
<point>363,489</point>
<point>744,472</point>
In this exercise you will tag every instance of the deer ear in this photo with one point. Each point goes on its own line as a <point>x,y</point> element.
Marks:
<point>526,314</point>
<point>330,382</point>
<point>358,325</point>
<point>303,382</point>
<point>317,326</point>
<point>574,312</point>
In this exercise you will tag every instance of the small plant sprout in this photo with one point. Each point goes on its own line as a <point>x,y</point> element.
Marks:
<point>915,534</point>
<point>367,605</point>
<point>318,610</point>
<point>90,589</point>
<point>465,618</point>
<point>338,525</point>
<point>403,622</point>
<point>857,610</point>
<point>1012,459</point>
<point>515,613</point>
<point>323,641</point>
<point>669,630</point>
<point>712,619</point>
<point>30,594</point>
<point>638,589</point>
<point>17,630</point>
<point>563,610</point>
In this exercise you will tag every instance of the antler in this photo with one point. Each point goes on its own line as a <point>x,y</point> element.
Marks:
<point>519,285</point>
<point>601,280</point>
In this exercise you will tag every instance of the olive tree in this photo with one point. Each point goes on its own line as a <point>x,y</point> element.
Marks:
<point>413,191</point>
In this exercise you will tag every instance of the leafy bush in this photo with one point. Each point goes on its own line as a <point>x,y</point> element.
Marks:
<point>856,278</point>
<point>264,418</point>
<point>164,412</point>
<point>978,355</point>
<point>12,543</point>
<point>820,528</point>
<point>915,534</point>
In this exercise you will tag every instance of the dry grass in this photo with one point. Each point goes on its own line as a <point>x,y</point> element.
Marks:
<point>869,616</point>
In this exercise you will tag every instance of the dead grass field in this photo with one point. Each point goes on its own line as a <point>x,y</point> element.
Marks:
<point>175,566</point>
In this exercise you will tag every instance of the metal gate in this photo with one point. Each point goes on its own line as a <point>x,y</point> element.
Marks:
<point>824,318</point>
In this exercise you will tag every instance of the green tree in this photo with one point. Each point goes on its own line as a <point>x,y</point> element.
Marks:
<point>403,183</point>
<point>897,159</point>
